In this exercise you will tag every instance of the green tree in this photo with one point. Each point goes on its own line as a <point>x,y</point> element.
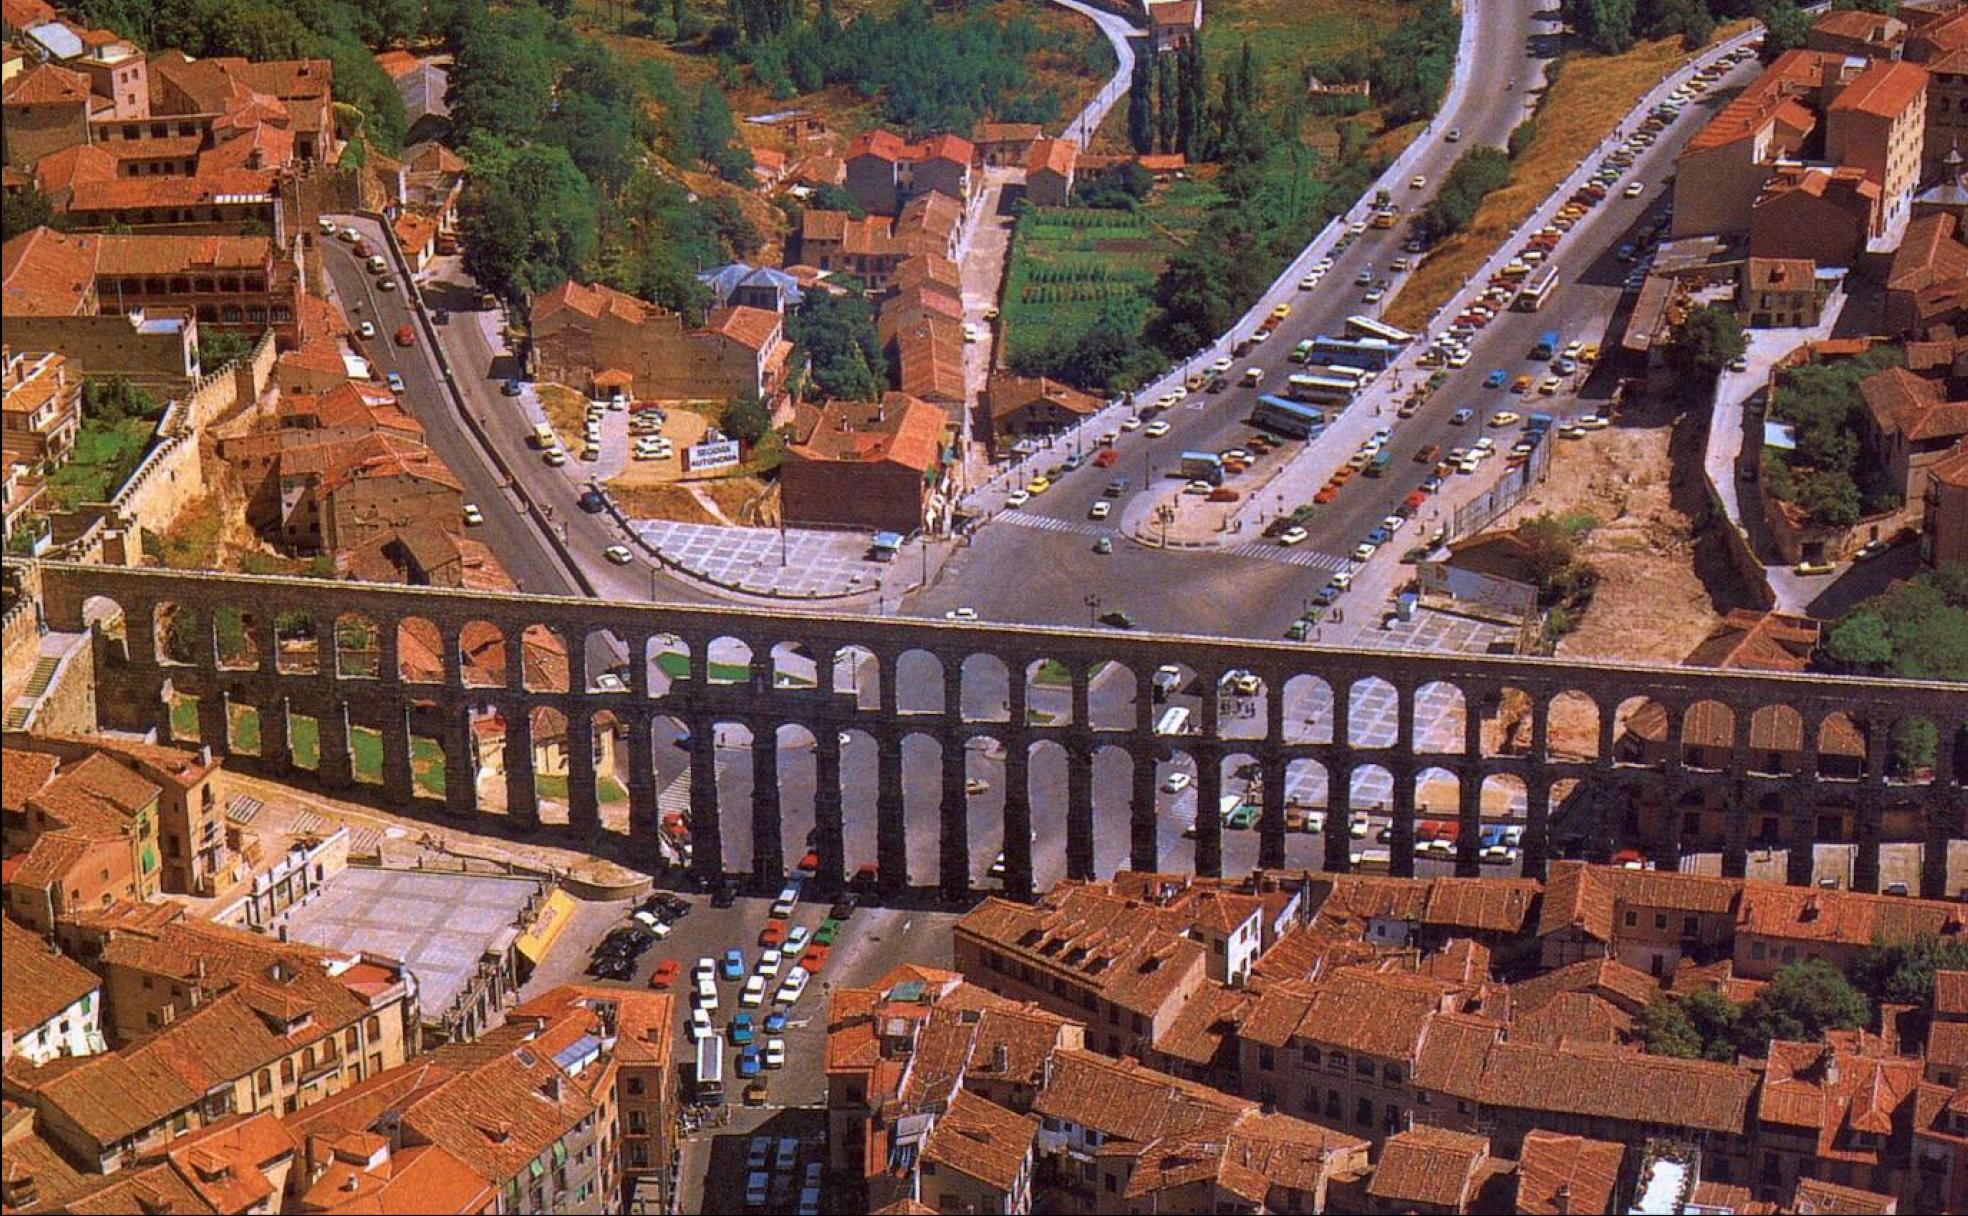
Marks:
<point>218,347</point>
<point>1141,105</point>
<point>843,353</point>
<point>1167,107</point>
<point>1785,27</point>
<point>1605,25</point>
<point>745,418</point>
<point>1902,972</point>
<point>24,209</point>
<point>1665,1029</point>
<point>1800,1003</point>
<point>114,400</point>
<point>1861,642</point>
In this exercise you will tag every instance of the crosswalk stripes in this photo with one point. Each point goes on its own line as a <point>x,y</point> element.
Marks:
<point>1290,556</point>
<point>310,822</point>
<point>1046,523</point>
<point>243,808</point>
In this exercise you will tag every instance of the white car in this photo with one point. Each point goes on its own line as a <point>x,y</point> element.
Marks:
<point>769,963</point>
<point>1018,497</point>
<point>554,457</point>
<point>1363,551</point>
<point>1176,782</point>
<point>618,555</point>
<point>700,1025</point>
<point>1634,189</point>
<point>796,939</point>
<point>1131,424</point>
<point>473,516</point>
<point>960,614</point>
<point>1455,135</point>
<point>1417,182</point>
<point>971,333</point>
<point>386,285</point>
<point>1100,509</point>
<point>1292,536</point>
<point>1221,364</point>
<point>1342,580</point>
<point>793,986</point>
<point>1157,429</point>
<point>327,223</point>
<point>350,234</point>
<point>775,1053</point>
<point>377,263</point>
<point>365,330</point>
<point>754,994</point>
<point>706,969</point>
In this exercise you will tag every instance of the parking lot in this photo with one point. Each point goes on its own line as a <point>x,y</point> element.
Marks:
<point>792,1098</point>
<point>793,563</point>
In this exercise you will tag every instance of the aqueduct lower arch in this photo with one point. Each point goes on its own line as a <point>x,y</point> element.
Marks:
<point>453,690</point>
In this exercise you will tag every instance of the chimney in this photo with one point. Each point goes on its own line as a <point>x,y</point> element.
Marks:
<point>1811,910</point>
<point>350,1183</point>
<point>1000,1058</point>
<point>1561,1200</point>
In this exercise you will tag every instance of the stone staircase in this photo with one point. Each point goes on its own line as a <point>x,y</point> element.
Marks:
<point>37,684</point>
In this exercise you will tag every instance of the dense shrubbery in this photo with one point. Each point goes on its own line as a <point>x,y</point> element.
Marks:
<point>1479,172</point>
<point>1409,69</point>
<point>1829,473</point>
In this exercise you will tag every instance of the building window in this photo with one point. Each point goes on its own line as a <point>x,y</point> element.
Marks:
<point>1632,919</point>
<point>635,1086</point>
<point>1363,1113</point>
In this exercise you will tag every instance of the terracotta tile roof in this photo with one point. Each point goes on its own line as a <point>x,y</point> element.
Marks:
<point>48,273</point>
<point>37,982</point>
<point>226,1163</point>
<point>1005,132</point>
<point>1935,1109</point>
<point>1576,897</point>
<point>1381,1014</point>
<point>1204,1024</point>
<point>1010,393</point>
<point>936,214</point>
<point>1769,96</point>
<point>1757,641</point>
<point>1053,155</point>
<point>982,1140</point>
<point>1719,976</point>
<point>1884,89</point>
<point>23,772</point>
<point>1816,1197</point>
<point>899,429</point>
<point>1558,1174</point>
<point>929,359</point>
<point>107,1097</point>
<point>1359,899</point>
<point>755,329</point>
<point>1028,1035</point>
<point>396,63</point>
<point>1290,1152</point>
<point>880,144</point>
<point>1176,12</point>
<point>1132,953</point>
<point>45,84</point>
<point>1804,914</point>
<point>1481,905</point>
<point>591,301</point>
<point>1279,1008</point>
<point>1453,1049</point>
<point>1947,1044</point>
<point>1628,987</point>
<point>151,1188</point>
<point>155,253</point>
<point>48,860</point>
<point>1612,1084</point>
<point>929,270</point>
<point>1573,1017</point>
<point>947,146</point>
<point>1951,994</point>
<point>1430,1166</point>
<point>1127,1102</point>
<point>1930,252</point>
<point>32,1161</point>
<point>1838,1090</point>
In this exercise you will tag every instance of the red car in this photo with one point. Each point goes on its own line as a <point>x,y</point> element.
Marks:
<point>665,973</point>
<point>1326,494</point>
<point>1105,458</point>
<point>810,864</point>
<point>814,959</point>
<point>773,934</point>
<point>405,336</point>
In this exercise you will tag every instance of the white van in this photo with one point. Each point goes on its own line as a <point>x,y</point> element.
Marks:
<point>1174,720</point>
<point>542,436</point>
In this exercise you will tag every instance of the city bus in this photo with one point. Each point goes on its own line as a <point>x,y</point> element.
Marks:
<point>1326,390</point>
<point>1203,466</point>
<point>1174,720</point>
<point>1536,289</point>
<point>1374,354</point>
<point>709,1088</point>
<point>1287,418</point>
<point>1368,327</point>
<point>1358,377</point>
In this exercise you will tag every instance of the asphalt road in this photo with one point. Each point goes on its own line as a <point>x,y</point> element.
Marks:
<point>1041,569</point>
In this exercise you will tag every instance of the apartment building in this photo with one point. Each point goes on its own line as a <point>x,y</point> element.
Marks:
<point>1878,123</point>
<point>884,171</point>
<point>50,1005</point>
<point>42,409</point>
<point>77,836</point>
<point>872,465</point>
<point>588,336</point>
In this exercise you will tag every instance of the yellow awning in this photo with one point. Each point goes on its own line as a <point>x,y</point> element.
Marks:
<point>536,941</point>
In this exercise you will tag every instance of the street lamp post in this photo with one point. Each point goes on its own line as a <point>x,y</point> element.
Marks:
<point>1093,610</point>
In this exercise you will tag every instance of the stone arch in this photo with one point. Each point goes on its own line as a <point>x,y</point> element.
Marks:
<point>858,676</point>
<point>984,802</point>
<point>107,618</point>
<point>544,659</point>
<point>547,731</point>
<point>175,634</point>
<point>734,784</point>
<point>985,688</point>
<point>1437,791</point>
<point>794,668</point>
<point>666,662</point>
<point>1372,712</point>
<point>1913,750</point>
<point>858,796</point>
<point>609,733</point>
<point>1308,710</point>
<point>1046,768</point>
<point>1640,732</point>
<point>918,682</point>
<point>1842,739</point>
<point>1504,796</point>
<point>358,647</point>
<point>728,660</point>
<point>1113,807</point>
<point>1572,727</point>
<point>1775,742</point>
<point>798,789</point>
<point>481,655</point>
<point>1371,787</point>
<point>419,651</point>
<point>1305,812</point>
<point>1507,726</point>
<point>1708,733</point>
<point>605,662</point>
<point>1048,693</point>
<point>1113,700</point>
<point>922,801</point>
<point>1175,808</point>
<point>1441,715</point>
<point>1241,776</point>
<point>235,638</point>
<point>1243,705</point>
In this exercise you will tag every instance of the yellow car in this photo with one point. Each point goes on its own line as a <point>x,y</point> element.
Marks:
<point>1038,485</point>
<point>1549,386</point>
<point>1522,384</point>
<point>1281,311</point>
<point>1590,354</point>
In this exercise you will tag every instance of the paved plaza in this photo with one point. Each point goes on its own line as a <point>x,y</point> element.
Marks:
<point>438,924</point>
<point>793,564</point>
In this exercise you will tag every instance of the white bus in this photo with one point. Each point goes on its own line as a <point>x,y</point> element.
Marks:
<point>1537,289</point>
<point>1174,720</point>
<point>709,1088</point>
<point>1367,326</point>
<point>1358,377</point>
<point>1323,389</point>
